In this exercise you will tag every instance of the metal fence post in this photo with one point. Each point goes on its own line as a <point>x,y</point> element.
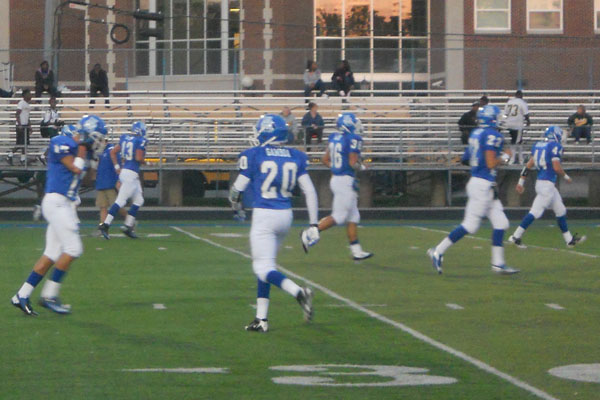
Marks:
<point>484,67</point>
<point>160,165</point>
<point>164,72</point>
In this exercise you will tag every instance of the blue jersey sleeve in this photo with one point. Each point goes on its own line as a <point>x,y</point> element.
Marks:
<point>556,151</point>
<point>141,143</point>
<point>62,147</point>
<point>493,141</point>
<point>245,163</point>
<point>302,160</point>
<point>356,144</point>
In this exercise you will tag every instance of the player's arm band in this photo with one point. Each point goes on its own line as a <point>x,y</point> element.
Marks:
<point>79,163</point>
<point>117,167</point>
<point>235,198</point>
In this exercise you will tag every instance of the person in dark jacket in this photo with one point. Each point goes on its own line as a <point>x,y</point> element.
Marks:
<point>44,81</point>
<point>313,124</point>
<point>98,83</point>
<point>581,125</point>
<point>342,79</point>
<point>468,122</point>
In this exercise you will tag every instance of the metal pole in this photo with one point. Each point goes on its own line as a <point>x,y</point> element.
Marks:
<point>160,164</point>
<point>127,70</point>
<point>164,70</point>
<point>484,66</point>
<point>449,188</point>
<point>520,72</point>
<point>412,68</point>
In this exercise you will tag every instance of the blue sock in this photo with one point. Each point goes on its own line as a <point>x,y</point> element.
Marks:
<point>498,237</point>
<point>528,220</point>
<point>114,209</point>
<point>264,289</point>
<point>58,275</point>
<point>458,233</point>
<point>275,277</point>
<point>133,210</point>
<point>354,242</point>
<point>34,278</point>
<point>562,223</point>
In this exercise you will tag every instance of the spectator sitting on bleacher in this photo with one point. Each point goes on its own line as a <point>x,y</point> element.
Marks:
<point>468,122</point>
<point>290,120</point>
<point>4,93</point>
<point>581,125</point>
<point>98,83</point>
<point>313,124</point>
<point>342,79</point>
<point>312,79</point>
<point>484,101</point>
<point>23,126</point>
<point>51,123</point>
<point>44,81</point>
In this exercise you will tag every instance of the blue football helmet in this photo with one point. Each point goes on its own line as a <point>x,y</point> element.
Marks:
<point>554,133</point>
<point>69,130</point>
<point>139,129</point>
<point>92,133</point>
<point>488,116</point>
<point>348,123</point>
<point>271,129</point>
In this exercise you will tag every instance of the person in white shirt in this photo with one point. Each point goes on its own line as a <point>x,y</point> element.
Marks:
<point>23,126</point>
<point>51,122</point>
<point>516,118</point>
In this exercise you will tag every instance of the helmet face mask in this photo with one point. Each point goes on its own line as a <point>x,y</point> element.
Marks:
<point>270,129</point>
<point>139,129</point>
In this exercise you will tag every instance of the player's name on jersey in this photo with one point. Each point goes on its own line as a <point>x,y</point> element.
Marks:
<point>277,152</point>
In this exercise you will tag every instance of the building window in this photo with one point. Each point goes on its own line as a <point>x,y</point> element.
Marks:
<point>197,37</point>
<point>492,15</point>
<point>377,37</point>
<point>545,16</point>
<point>597,15</point>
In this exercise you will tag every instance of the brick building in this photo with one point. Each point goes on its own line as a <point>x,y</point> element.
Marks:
<point>391,44</point>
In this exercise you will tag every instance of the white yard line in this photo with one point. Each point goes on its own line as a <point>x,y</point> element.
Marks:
<point>454,306</point>
<point>416,334</point>
<point>159,306</point>
<point>579,253</point>
<point>555,306</point>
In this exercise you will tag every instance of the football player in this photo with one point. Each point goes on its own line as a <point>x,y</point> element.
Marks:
<point>271,171</point>
<point>516,117</point>
<point>67,155</point>
<point>545,157</point>
<point>133,149</point>
<point>484,154</point>
<point>343,157</point>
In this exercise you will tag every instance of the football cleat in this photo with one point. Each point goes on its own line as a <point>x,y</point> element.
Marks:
<point>362,255</point>
<point>436,260</point>
<point>54,304</point>
<point>129,231</point>
<point>22,304</point>
<point>258,325</point>
<point>517,242</point>
<point>305,297</point>
<point>504,270</point>
<point>103,229</point>
<point>576,240</point>
<point>309,237</point>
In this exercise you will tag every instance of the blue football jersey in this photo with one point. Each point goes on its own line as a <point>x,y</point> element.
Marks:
<point>273,172</point>
<point>480,140</point>
<point>340,147</point>
<point>129,145</point>
<point>106,176</point>
<point>543,154</point>
<point>58,178</point>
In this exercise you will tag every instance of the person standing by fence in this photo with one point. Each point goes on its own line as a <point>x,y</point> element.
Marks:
<point>23,126</point>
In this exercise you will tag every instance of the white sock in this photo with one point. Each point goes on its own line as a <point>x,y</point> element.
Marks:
<point>25,290</point>
<point>443,246</point>
<point>498,255</point>
<point>290,286</point>
<point>50,289</point>
<point>356,248</point>
<point>262,307</point>
<point>109,219</point>
<point>129,220</point>
<point>519,232</point>
<point>567,236</point>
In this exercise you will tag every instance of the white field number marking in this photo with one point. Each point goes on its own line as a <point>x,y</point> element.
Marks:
<point>555,306</point>
<point>398,325</point>
<point>159,306</point>
<point>391,375</point>
<point>578,372</point>
<point>454,306</point>
<point>181,370</point>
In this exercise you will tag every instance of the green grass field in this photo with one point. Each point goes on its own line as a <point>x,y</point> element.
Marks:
<point>362,312</point>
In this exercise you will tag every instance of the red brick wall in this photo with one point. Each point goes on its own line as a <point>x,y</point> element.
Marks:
<point>548,61</point>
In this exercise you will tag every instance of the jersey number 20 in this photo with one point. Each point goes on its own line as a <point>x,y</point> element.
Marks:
<point>288,180</point>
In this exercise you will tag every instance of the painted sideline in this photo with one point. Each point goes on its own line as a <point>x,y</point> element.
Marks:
<point>416,334</point>
<point>579,253</point>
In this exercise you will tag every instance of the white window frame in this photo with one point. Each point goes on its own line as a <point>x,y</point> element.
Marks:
<point>477,29</point>
<point>596,11</point>
<point>552,30</point>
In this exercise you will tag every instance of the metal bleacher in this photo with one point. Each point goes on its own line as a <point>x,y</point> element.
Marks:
<point>207,130</point>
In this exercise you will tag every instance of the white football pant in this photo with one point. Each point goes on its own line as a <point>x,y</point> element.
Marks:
<point>131,188</point>
<point>345,200</point>
<point>62,234</point>
<point>547,197</point>
<point>269,229</point>
<point>482,204</point>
